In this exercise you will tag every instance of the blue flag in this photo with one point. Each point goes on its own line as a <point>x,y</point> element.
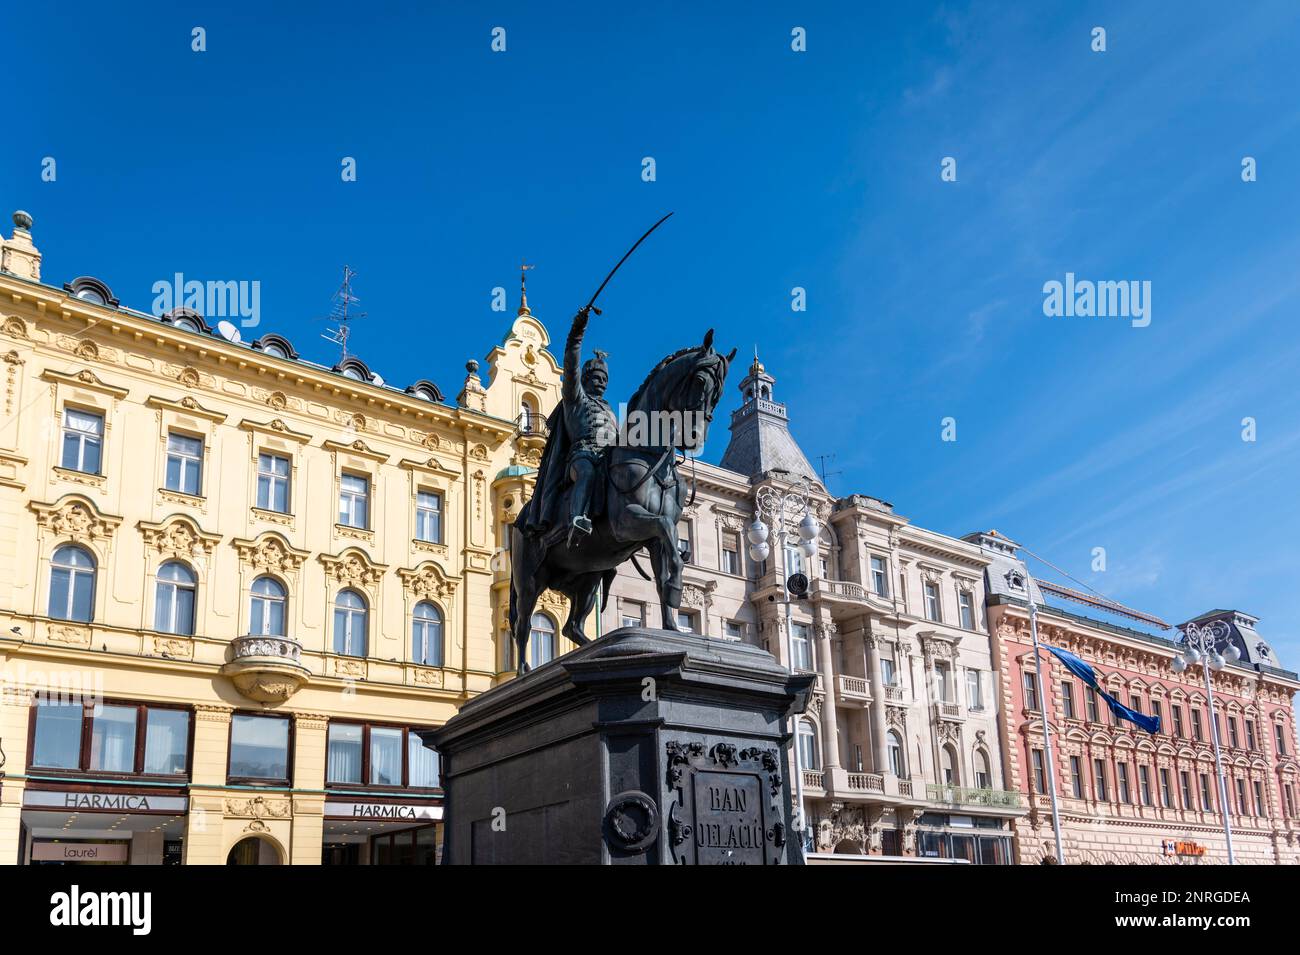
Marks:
<point>1088,675</point>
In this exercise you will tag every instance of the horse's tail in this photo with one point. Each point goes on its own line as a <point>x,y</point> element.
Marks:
<point>639,569</point>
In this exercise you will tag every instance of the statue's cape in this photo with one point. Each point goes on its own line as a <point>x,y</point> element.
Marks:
<point>542,512</point>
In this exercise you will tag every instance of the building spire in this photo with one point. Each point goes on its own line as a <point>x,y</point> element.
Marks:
<point>523,287</point>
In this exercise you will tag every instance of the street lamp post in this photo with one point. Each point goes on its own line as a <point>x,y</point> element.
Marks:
<point>1212,647</point>
<point>787,512</point>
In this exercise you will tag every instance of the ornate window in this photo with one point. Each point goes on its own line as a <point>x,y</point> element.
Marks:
<point>800,647</point>
<point>932,608</point>
<point>184,464</point>
<point>273,483</point>
<point>83,439</point>
<point>1030,689</point>
<point>350,624</point>
<point>894,748</point>
<point>808,746</point>
<point>948,770</point>
<point>173,610</point>
<point>879,576</point>
<point>966,609</point>
<point>72,584</point>
<point>354,500</point>
<point>541,640</point>
<point>266,607</point>
<point>426,635</point>
<point>428,516</point>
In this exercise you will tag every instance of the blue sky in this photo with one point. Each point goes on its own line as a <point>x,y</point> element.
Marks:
<point>818,169</point>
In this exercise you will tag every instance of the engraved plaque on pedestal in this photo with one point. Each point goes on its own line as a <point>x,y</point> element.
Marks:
<point>724,805</point>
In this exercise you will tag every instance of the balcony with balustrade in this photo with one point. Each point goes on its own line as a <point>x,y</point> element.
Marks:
<point>853,690</point>
<point>946,710</point>
<point>848,594</point>
<point>265,668</point>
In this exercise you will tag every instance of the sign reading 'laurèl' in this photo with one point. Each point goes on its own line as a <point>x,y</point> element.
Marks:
<point>79,852</point>
<point>107,802</point>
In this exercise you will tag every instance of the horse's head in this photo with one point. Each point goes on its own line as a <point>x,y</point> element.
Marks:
<point>679,395</point>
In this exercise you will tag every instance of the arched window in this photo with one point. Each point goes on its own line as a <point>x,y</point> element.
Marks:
<point>72,584</point>
<point>350,624</point>
<point>529,419</point>
<point>173,608</point>
<point>897,764</point>
<point>983,772</point>
<point>808,746</point>
<point>426,635</point>
<point>948,766</point>
<point>266,608</point>
<point>541,640</point>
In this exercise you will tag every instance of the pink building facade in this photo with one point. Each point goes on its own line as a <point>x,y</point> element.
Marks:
<point>1127,796</point>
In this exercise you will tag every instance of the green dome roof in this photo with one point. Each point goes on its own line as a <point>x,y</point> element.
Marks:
<point>515,470</point>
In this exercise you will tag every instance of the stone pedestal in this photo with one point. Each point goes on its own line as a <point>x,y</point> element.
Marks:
<point>645,747</point>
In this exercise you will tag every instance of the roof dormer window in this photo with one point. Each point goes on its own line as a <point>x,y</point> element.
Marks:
<point>90,289</point>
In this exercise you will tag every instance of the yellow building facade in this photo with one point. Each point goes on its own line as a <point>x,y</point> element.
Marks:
<point>233,583</point>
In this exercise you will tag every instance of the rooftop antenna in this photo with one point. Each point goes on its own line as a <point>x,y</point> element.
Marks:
<point>342,312</point>
<point>822,459</point>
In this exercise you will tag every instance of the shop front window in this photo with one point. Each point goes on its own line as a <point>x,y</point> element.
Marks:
<point>387,756</point>
<point>259,748</point>
<point>121,738</point>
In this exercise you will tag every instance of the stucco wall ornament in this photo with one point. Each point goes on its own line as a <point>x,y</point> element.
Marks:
<point>352,568</point>
<point>75,520</point>
<point>270,553</point>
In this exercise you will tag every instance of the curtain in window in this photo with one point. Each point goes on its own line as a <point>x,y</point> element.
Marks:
<point>166,741</point>
<point>423,762</point>
<point>343,760</point>
<point>112,743</point>
<point>385,757</point>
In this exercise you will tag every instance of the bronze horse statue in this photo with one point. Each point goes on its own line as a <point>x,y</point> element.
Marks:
<point>643,495</point>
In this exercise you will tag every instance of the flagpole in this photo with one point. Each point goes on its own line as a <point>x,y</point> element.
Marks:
<point>1042,711</point>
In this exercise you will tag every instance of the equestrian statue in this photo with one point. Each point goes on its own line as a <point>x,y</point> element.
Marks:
<point>606,491</point>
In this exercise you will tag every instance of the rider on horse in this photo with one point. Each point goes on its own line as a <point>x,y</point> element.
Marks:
<point>583,427</point>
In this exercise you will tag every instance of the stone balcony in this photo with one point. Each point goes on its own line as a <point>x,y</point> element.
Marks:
<point>814,782</point>
<point>887,786</point>
<point>853,689</point>
<point>849,593</point>
<point>267,669</point>
<point>948,711</point>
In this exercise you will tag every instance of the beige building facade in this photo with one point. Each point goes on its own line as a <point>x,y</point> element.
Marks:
<point>233,583</point>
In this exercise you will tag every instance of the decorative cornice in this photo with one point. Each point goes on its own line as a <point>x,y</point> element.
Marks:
<point>83,379</point>
<point>429,466</point>
<point>187,405</point>
<point>274,428</point>
<point>357,447</point>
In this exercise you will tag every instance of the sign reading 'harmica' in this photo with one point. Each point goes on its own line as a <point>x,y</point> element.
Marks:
<point>1084,298</point>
